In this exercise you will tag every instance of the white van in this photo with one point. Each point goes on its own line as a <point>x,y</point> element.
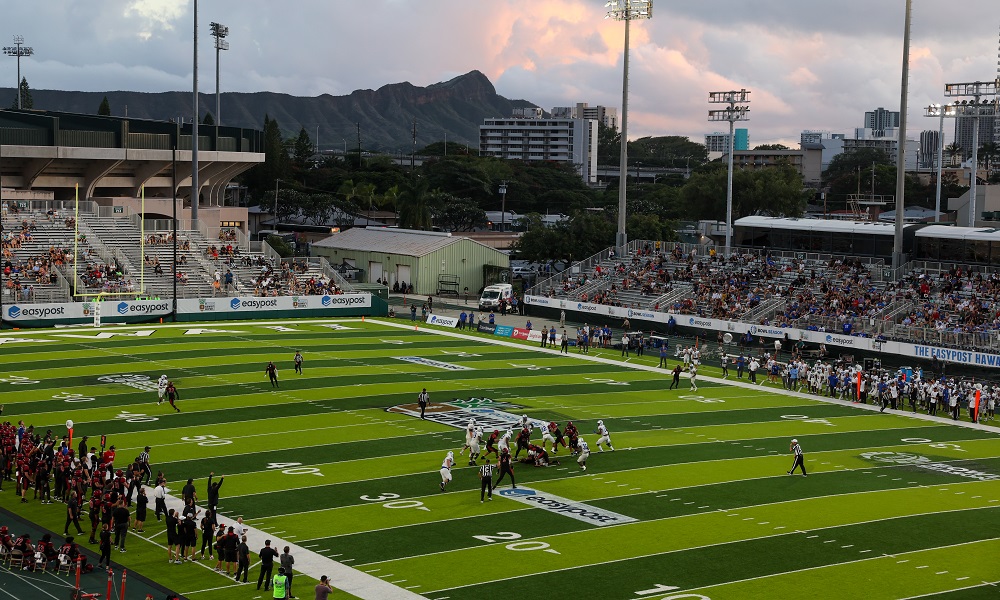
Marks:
<point>493,294</point>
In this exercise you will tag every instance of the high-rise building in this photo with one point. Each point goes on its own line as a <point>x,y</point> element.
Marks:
<point>928,149</point>
<point>719,141</point>
<point>963,134</point>
<point>602,114</point>
<point>881,119</point>
<point>571,141</point>
<point>812,136</point>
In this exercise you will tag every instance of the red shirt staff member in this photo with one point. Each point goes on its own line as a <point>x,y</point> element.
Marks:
<point>272,373</point>
<point>799,462</point>
<point>505,468</point>
<point>172,395</point>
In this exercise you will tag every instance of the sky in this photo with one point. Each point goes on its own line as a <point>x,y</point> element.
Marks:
<point>808,64</point>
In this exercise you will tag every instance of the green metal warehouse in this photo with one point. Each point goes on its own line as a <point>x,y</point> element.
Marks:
<point>432,262</point>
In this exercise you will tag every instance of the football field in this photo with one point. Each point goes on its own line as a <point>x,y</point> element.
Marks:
<point>694,503</point>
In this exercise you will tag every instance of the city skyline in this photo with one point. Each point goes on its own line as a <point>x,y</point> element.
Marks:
<point>809,67</point>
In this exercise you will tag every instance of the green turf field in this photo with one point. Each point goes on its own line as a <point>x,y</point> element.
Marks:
<point>334,462</point>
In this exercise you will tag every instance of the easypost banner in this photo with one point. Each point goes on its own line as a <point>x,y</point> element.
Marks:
<point>442,321</point>
<point>965,357</point>
<point>238,305</point>
<point>23,313</point>
<point>135,308</point>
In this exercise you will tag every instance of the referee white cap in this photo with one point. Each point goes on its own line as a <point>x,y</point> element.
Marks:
<point>795,441</point>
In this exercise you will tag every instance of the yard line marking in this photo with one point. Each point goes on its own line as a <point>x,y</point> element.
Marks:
<point>809,537</point>
<point>922,567</point>
<point>848,546</point>
<point>941,572</point>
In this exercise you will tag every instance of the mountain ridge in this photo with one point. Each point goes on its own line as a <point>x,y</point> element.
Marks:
<point>454,109</point>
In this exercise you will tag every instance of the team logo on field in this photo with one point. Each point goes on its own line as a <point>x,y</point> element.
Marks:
<point>456,413</point>
<point>923,462</point>
<point>900,458</point>
<point>139,382</point>
<point>568,508</point>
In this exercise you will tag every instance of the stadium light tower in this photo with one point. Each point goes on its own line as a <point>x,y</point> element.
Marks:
<point>736,111</point>
<point>18,50</point>
<point>219,32</point>
<point>628,11</point>
<point>941,111</point>
<point>898,258</point>
<point>975,108</point>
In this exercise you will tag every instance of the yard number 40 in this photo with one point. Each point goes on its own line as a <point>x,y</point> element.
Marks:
<point>294,468</point>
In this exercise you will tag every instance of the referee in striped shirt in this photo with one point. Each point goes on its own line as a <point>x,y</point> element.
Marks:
<point>486,477</point>
<point>799,462</point>
<point>144,463</point>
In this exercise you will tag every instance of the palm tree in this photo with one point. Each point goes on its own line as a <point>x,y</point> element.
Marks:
<point>953,149</point>
<point>366,192</point>
<point>349,190</point>
<point>391,198</point>
<point>988,155</point>
<point>414,205</point>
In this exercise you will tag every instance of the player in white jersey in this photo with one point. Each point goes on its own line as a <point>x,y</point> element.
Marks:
<point>548,437</point>
<point>161,388</point>
<point>470,430</point>
<point>504,441</point>
<point>474,442</point>
<point>446,469</point>
<point>524,422</point>
<point>584,453</point>
<point>605,437</point>
<point>693,376</point>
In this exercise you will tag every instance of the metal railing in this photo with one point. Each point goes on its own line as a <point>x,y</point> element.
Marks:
<point>327,269</point>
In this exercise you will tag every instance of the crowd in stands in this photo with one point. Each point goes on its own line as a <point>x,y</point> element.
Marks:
<point>838,293</point>
<point>959,300</point>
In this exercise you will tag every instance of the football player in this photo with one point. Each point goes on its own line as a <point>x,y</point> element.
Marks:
<point>449,460</point>
<point>605,437</point>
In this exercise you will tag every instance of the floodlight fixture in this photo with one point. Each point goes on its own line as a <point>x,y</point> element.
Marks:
<point>18,50</point>
<point>219,32</point>
<point>974,109</point>
<point>627,11</point>
<point>737,110</point>
<point>940,111</point>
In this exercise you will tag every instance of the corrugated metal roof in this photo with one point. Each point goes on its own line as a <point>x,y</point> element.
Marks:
<point>394,241</point>
<point>834,225</point>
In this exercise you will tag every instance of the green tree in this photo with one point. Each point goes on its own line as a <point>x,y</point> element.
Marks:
<point>458,214</point>
<point>208,120</point>
<point>609,148</point>
<point>302,150</point>
<point>775,191</point>
<point>771,147</point>
<point>649,227</point>
<point>279,245</point>
<point>105,108</point>
<point>26,101</point>
<point>585,234</point>
<point>261,178</point>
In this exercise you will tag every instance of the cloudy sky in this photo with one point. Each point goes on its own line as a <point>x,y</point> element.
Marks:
<point>809,64</point>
